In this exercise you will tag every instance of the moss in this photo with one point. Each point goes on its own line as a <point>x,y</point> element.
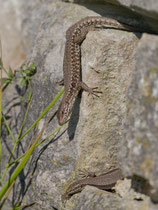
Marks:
<point>138,140</point>
<point>144,141</point>
<point>147,87</point>
<point>69,181</point>
<point>45,78</point>
<point>58,163</point>
<point>147,165</point>
<point>153,71</point>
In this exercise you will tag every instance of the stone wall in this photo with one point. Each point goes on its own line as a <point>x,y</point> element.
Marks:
<point>118,129</point>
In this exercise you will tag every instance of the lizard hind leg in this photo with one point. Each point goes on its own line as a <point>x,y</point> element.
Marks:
<point>91,91</point>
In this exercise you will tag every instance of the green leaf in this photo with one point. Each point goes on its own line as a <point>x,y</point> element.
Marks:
<point>5,80</point>
<point>32,67</point>
<point>30,70</point>
<point>1,63</point>
<point>22,82</point>
<point>10,73</point>
<point>26,71</point>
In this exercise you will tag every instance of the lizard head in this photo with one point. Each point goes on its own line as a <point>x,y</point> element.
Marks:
<point>65,108</point>
<point>63,112</point>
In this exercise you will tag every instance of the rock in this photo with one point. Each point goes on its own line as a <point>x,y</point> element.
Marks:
<point>94,135</point>
<point>13,53</point>
<point>146,8</point>
<point>107,62</point>
<point>91,198</point>
<point>139,150</point>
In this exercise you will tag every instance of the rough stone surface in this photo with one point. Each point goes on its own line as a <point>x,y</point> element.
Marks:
<point>13,53</point>
<point>107,62</point>
<point>32,14</point>
<point>91,198</point>
<point>145,7</point>
<point>92,137</point>
<point>78,146</point>
<point>139,147</point>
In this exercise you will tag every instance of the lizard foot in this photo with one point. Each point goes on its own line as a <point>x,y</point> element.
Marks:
<point>84,173</point>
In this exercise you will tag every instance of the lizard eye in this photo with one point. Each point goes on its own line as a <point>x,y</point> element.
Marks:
<point>62,112</point>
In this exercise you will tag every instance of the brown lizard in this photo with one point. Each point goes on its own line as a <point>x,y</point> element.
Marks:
<point>72,63</point>
<point>104,181</point>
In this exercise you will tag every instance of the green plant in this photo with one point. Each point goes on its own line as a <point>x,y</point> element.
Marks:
<point>25,74</point>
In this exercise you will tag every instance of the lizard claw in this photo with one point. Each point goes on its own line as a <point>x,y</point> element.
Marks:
<point>84,173</point>
<point>94,92</point>
<point>91,91</point>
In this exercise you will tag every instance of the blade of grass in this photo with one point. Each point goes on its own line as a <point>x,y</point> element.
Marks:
<point>27,109</point>
<point>1,61</point>
<point>38,119</point>
<point>0,104</point>
<point>29,151</point>
<point>44,112</point>
<point>12,152</point>
<point>55,131</point>
<point>24,206</point>
<point>8,128</point>
<point>7,194</point>
<point>21,165</point>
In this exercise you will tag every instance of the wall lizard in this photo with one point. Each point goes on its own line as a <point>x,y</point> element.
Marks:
<point>72,60</point>
<point>104,181</point>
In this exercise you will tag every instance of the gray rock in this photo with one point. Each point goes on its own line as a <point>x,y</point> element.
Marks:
<point>139,150</point>
<point>92,138</point>
<point>13,53</point>
<point>31,16</point>
<point>91,198</point>
<point>93,133</point>
<point>145,7</point>
<point>107,62</point>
